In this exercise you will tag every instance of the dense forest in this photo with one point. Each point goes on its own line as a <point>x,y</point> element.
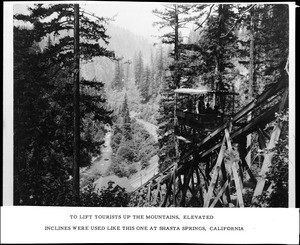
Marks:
<point>124,79</point>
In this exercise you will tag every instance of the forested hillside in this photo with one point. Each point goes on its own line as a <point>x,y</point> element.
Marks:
<point>125,44</point>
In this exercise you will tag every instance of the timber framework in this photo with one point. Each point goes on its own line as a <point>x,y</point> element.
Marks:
<point>213,169</point>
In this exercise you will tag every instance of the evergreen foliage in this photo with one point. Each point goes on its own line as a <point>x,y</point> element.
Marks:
<point>118,82</point>
<point>146,85</point>
<point>174,16</point>
<point>126,121</point>
<point>112,196</point>
<point>132,145</point>
<point>165,120</point>
<point>138,69</point>
<point>43,103</point>
<point>271,43</point>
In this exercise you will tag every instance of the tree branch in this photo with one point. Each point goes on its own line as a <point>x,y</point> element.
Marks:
<point>247,10</point>
<point>205,18</point>
<point>99,18</point>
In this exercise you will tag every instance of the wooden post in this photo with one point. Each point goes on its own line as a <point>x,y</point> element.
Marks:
<point>215,174</point>
<point>176,41</point>
<point>186,184</point>
<point>76,151</point>
<point>168,192</point>
<point>157,190</point>
<point>269,155</point>
<point>266,163</point>
<point>226,178</point>
<point>237,183</point>
<point>174,186</point>
<point>149,193</point>
<point>219,194</point>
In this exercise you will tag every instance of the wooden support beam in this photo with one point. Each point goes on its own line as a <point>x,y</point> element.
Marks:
<point>237,183</point>
<point>202,188</point>
<point>149,193</point>
<point>247,168</point>
<point>197,175</point>
<point>185,140</point>
<point>226,177</point>
<point>174,187</point>
<point>238,132</point>
<point>193,182</point>
<point>265,116</point>
<point>240,172</point>
<point>194,197</point>
<point>266,163</point>
<point>180,186</point>
<point>215,174</point>
<point>228,141</point>
<point>243,153</point>
<point>185,185</point>
<point>168,192</point>
<point>261,139</point>
<point>157,190</point>
<point>251,106</point>
<point>201,191</point>
<point>269,154</point>
<point>237,177</point>
<point>250,147</point>
<point>219,194</point>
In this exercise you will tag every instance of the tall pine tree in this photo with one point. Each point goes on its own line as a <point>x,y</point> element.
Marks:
<point>145,86</point>
<point>119,79</point>
<point>138,69</point>
<point>44,108</point>
<point>173,16</point>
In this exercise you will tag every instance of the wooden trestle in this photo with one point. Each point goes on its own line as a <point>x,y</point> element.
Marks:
<point>212,172</point>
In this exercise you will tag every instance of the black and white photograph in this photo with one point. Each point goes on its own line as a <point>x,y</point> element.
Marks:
<point>158,105</point>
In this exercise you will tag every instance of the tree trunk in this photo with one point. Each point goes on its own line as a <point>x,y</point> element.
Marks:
<point>176,50</point>
<point>176,34</point>
<point>76,108</point>
<point>251,80</point>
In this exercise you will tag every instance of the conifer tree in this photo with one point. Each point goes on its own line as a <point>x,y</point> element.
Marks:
<point>43,86</point>
<point>174,16</point>
<point>160,66</point>
<point>152,77</point>
<point>126,121</point>
<point>118,82</point>
<point>267,27</point>
<point>138,69</point>
<point>218,46</point>
<point>145,86</point>
<point>165,121</point>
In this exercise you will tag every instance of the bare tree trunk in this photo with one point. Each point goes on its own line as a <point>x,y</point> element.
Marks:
<point>176,50</point>
<point>176,34</point>
<point>76,153</point>
<point>251,80</point>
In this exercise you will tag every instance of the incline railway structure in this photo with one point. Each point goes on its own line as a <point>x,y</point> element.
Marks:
<point>212,168</point>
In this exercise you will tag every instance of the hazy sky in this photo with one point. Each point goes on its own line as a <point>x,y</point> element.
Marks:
<point>137,17</point>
